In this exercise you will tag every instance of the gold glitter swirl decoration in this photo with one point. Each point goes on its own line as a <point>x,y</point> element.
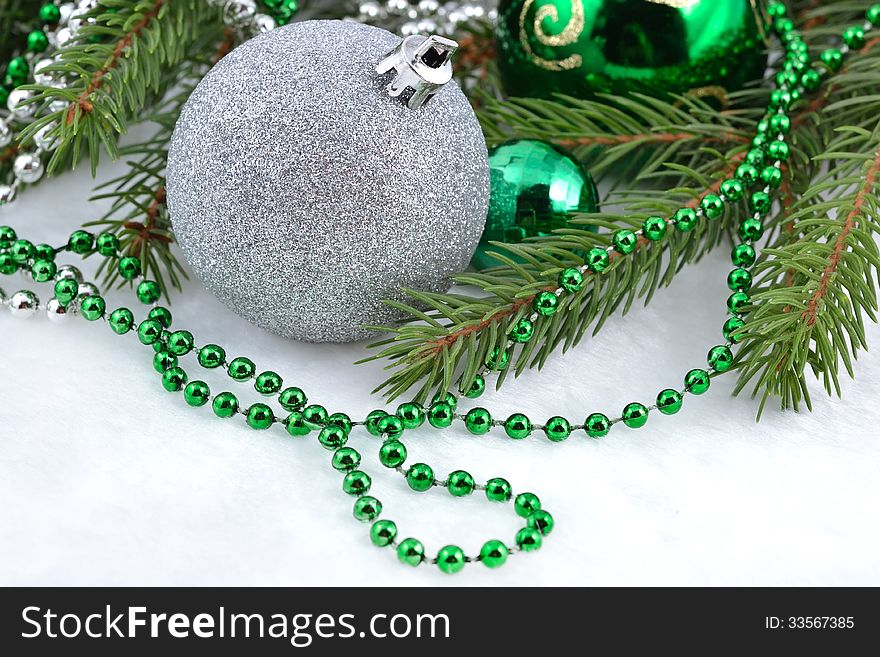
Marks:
<point>569,35</point>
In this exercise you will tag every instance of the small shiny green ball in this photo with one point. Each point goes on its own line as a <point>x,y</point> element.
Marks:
<point>597,260</point>
<point>760,202</point>
<point>295,424</point>
<point>498,490</point>
<point>148,292</point>
<point>332,437</point>
<point>571,280</point>
<point>450,559</point>
<point>518,426</point>
<point>356,482</point>
<point>412,415</point>
<point>498,358</point>
<point>625,241</point>
<point>196,393</point>
<point>161,315</point>
<point>783,25</point>
<point>713,206</point>
<point>49,13</point>
<point>545,303</point>
<point>654,228</point>
<point>597,425</point>
<point>225,405</point>
<point>162,361</point>
<point>392,454</point>
<point>737,301</point>
<point>292,399</point>
<point>80,242</point>
<point>557,429</point>
<point>107,244</point>
<point>460,483</point>
<point>383,533</point>
<point>241,369</point>
<point>440,415</point>
<point>751,230</point>
<point>22,251</point>
<point>212,356</point>
<point>771,176</point>
<point>811,80</point>
<point>732,190</point>
<point>367,508</point>
<point>730,330</point>
<point>37,41</point>
<point>635,415</point>
<point>340,420</point>
<point>66,290</point>
<point>780,124</point>
<point>268,383</point>
<point>526,504</point>
<point>43,270</point>
<point>747,174</point>
<point>720,358</point>
<point>477,388</point>
<point>173,379</point>
<point>345,459</point>
<point>528,539</point>
<point>372,421</point>
<point>776,9</point>
<point>873,15</point>
<point>739,279</point>
<point>315,416</point>
<point>541,521</point>
<point>755,157</point>
<point>743,255</point>
<point>493,554</point>
<point>446,397</point>
<point>149,331</point>
<point>780,99</point>
<point>478,421</point>
<point>759,140</point>
<point>522,331</point>
<point>779,150</point>
<point>129,267</point>
<point>411,552</point>
<point>787,80</point>
<point>420,477</point>
<point>8,266</point>
<point>697,381</point>
<point>391,426</point>
<point>669,401</point>
<point>180,343</point>
<point>44,252</point>
<point>260,416</point>
<point>93,307</point>
<point>685,219</point>
<point>854,37</point>
<point>121,321</point>
<point>17,70</point>
<point>7,236</point>
<point>832,58</point>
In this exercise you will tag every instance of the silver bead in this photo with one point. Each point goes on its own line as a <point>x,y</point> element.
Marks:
<point>369,10</point>
<point>58,105</point>
<point>62,37</point>
<point>238,12</point>
<point>86,5</point>
<point>19,111</point>
<point>28,167</point>
<point>87,290</point>
<point>46,79</point>
<point>429,6</point>
<point>264,23</point>
<point>410,28</point>
<point>7,194</point>
<point>56,312</point>
<point>44,139</point>
<point>23,304</point>
<point>397,6</point>
<point>66,9</point>
<point>69,271</point>
<point>5,135</point>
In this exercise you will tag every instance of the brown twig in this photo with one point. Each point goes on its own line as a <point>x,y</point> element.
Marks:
<point>648,138</point>
<point>9,153</point>
<point>144,229</point>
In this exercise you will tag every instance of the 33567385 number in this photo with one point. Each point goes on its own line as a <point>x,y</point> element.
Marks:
<point>820,622</point>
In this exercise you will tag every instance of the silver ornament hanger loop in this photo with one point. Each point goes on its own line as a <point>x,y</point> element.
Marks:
<point>422,65</point>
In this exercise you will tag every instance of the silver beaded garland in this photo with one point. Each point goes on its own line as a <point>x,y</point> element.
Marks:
<point>28,167</point>
<point>15,106</point>
<point>56,312</point>
<point>23,304</point>
<point>69,271</point>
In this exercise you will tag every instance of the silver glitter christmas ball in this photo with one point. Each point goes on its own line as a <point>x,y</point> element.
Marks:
<point>303,194</point>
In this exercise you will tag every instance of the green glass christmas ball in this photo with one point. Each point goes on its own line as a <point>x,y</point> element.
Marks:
<point>584,47</point>
<point>535,186</point>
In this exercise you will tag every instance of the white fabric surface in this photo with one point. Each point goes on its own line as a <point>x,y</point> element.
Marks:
<point>105,478</point>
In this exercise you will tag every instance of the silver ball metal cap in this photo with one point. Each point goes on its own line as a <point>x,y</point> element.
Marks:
<point>422,65</point>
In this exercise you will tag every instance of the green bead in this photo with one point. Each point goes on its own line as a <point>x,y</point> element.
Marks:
<point>107,244</point>
<point>654,228</point>
<point>372,421</point>
<point>291,399</point>
<point>268,383</point>
<point>44,252</point>
<point>685,219</point>
<point>345,459</point>
<point>759,140</point>
<point>776,9</point>
<point>49,13</point>
<point>713,206</point>
<point>731,326</point>
<point>162,361</point>
<point>783,25</point>
<point>697,381</point>
<point>149,331</point>
<point>241,369</point>
<point>121,321</point>
<point>669,401</point>
<point>498,490</point>
<point>760,202</point>
<point>420,477</point>
<point>356,482</point>
<point>260,416</point>
<point>518,426</point>
<point>460,483</point>
<point>196,393</point>
<point>545,303</point>
<point>129,267</point>
<point>571,280</point>
<point>832,58</point>
<point>8,266</point>
<point>315,416</point>
<point>446,397</point>
<point>18,68</point>
<point>392,454</point>
<point>755,157</point>
<point>173,379</point>
<point>854,37</point>
<point>225,405</point>
<point>478,386</point>
<point>780,124</point>
<point>411,414</point>
<point>720,358</point>
<point>747,174</point>
<point>751,230</point>
<point>22,251</point>
<point>597,260</point>
<point>148,292</point>
<point>478,421</point>
<point>440,415</point>
<point>771,176</point>
<point>541,521</point>
<point>332,437</point>
<point>43,270</point>
<point>411,552</point>
<point>528,539</point>
<point>295,424</point>
<point>390,426</point>
<point>526,504</point>
<point>811,80</point>
<point>522,331</point>
<point>732,189</point>
<point>180,343</point>
<point>161,315</point>
<point>737,301</point>
<point>873,15</point>
<point>493,554</point>
<point>37,41</point>
<point>597,425</point>
<point>212,356</point>
<point>557,429</point>
<point>739,279</point>
<point>450,559</point>
<point>93,307</point>
<point>498,358</point>
<point>383,533</point>
<point>367,508</point>
<point>778,150</point>
<point>625,241</point>
<point>340,420</point>
<point>743,255</point>
<point>7,237</point>
<point>635,415</point>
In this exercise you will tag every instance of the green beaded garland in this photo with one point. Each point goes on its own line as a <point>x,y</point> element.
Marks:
<point>292,399</point>
<point>460,483</point>
<point>173,379</point>
<point>260,416</point>
<point>557,429</point>
<point>180,343</point>
<point>498,490</point>
<point>391,426</point>
<point>440,415</point>
<point>241,369</point>
<point>44,252</point>
<point>196,393</point>
<point>498,359</point>
<point>713,206</point>
<point>779,150</point>
<point>739,279</point>
<point>129,267</point>
<point>720,358</point>
<point>212,356</point>
<point>541,521</point>
<point>654,228</point>
<point>669,401</point>
<point>730,328</point>
<point>356,482</point>
<point>412,415</point>
<point>162,361</point>
<point>737,301</point>
<point>332,437</point>
<point>22,251</point>
<point>450,559</point>
<point>477,387</point>
<point>743,255</point>
<point>528,539</point>
<point>635,415</point>
<point>446,398</point>
<point>545,303</point>
<point>697,381</point>
<point>522,331</point>
<point>225,405</point>
<point>121,321</point>
<point>367,508</point>
<point>295,424</point>
<point>315,416</point>
<point>371,423</point>
<point>37,41</point>
<point>832,58</point>
<point>149,331</point>
<point>161,315</point>
<point>80,242</point>
<point>597,425</point>
<point>760,203</point>
<point>751,230</point>
<point>571,280</point>
<point>420,477</point>
<point>148,292</point>
<point>873,15</point>
<point>854,37</point>
<point>732,189</point>
<point>7,236</point>
<point>597,260</point>
<point>49,13</point>
<point>107,244</point>
<point>8,266</point>
<point>526,504</point>
<point>411,552</point>
<point>478,421</point>
<point>747,174</point>
<point>383,533</point>
<point>518,426</point>
<point>392,454</point>
<point>493,554</point>
<point>93,307</point>
<point>345,459</point>
<point>268,383</point>
<point>625,241</point>
<point>340,420</point>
